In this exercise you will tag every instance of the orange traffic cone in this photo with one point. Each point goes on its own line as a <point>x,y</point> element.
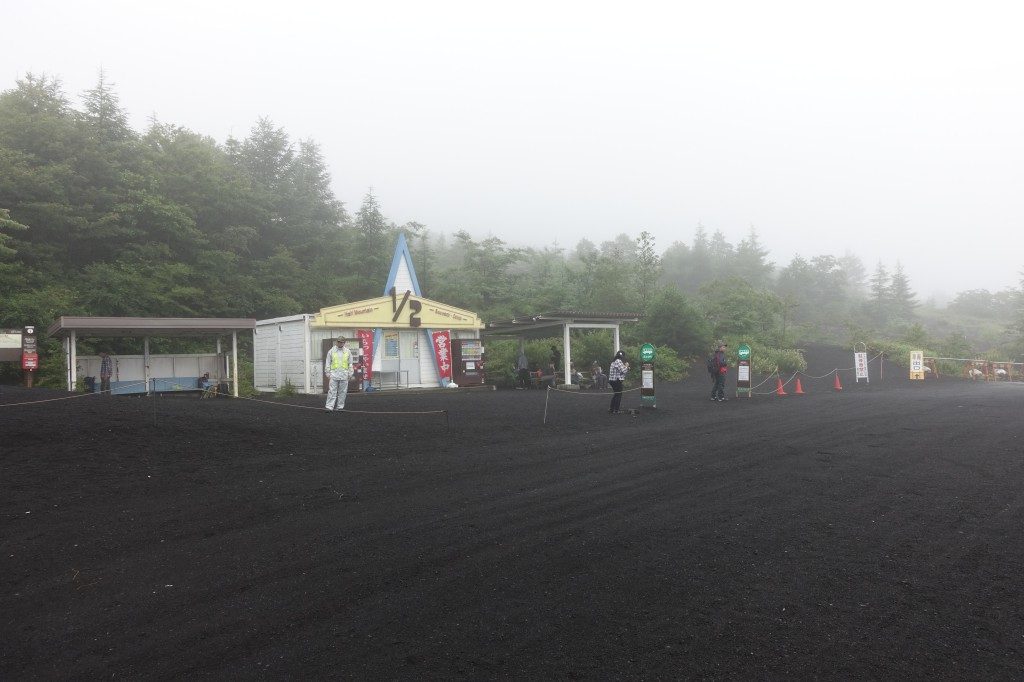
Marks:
<point>836,385</point>
<point>779,390</point>
<point>799,389</point>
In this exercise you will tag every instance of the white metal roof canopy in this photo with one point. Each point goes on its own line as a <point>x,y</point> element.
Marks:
<point>70,328</point>
<point>541,326</point>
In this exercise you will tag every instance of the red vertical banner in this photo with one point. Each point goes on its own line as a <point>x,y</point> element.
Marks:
<point>442,342</point>
<point>365,337</point>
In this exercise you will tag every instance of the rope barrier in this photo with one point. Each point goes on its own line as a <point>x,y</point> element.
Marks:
<point>258,400</point>
<point>823,376</point>
<point>592,395</point>
<point>837,369</point>
<point>429,391</point>
<point>550,390</point>
<point>71,397</point>
<point>320,409</point>
<point>766,380</point>
<point>780,378</point>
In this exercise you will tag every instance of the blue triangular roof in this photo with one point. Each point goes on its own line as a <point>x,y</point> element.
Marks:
<point>402,252</point>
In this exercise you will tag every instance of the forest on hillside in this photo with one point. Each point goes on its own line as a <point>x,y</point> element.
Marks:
<point>99,219</point>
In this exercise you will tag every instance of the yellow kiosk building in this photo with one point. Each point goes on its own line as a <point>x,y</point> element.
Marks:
<point>400,340</point>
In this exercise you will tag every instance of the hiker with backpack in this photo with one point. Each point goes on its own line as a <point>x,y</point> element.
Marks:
<point>718,366</point>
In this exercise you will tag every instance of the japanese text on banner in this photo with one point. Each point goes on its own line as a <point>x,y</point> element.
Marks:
<point>365,337</point>
<point>442,342</point>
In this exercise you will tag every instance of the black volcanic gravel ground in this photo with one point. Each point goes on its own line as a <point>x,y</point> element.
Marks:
<point>874,532</point>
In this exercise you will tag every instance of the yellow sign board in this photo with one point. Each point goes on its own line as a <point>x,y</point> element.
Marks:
<point>917,365</point>
<point>400,311</point>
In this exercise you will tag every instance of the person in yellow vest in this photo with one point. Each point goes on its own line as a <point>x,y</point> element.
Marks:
<point>338,367</point>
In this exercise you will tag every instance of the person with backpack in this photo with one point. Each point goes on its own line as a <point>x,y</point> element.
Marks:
<point>718,366</point>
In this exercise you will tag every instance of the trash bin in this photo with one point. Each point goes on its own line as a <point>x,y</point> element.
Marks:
<point>90,384</point>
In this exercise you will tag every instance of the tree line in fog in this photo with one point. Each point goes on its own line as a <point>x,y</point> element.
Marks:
<point>99,219</point>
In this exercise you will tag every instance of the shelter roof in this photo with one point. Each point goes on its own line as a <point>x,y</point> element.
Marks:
<point>529,325</point>
<point>149,326</point>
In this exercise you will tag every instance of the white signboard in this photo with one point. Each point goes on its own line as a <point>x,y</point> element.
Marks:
<point>647,378</point>
<point>743,373</point>
<point>917,365</point>
<point>860,362</point>
<point>10,339</point>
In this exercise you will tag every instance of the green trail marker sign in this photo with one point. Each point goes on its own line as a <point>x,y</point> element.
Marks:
<point>743,370</point>
<point>647,376</point>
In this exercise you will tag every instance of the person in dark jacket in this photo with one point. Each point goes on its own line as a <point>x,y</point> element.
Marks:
<point>721,366</point>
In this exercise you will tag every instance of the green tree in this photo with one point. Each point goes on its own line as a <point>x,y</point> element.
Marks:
<point>736,309</point>
<point>751,261</point>
<point>856,274</point>
<point>881,295</point>
<point>674,320</point>
<point>104,115</point>
<point>646,269</point>
<point>722,255</point>
<point>371,267</point>
<point>8,225</point>
<point>903,298</point>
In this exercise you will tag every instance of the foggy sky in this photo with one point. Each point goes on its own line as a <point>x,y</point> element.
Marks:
<point>892,129</point>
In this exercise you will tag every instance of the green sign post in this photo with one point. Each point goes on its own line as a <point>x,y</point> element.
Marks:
<point>743,370</point>
<point>647,376</point>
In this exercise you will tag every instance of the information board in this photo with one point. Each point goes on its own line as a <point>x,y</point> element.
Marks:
<point>860,363</point>
<point>743,370</point>
<point>917,365</point>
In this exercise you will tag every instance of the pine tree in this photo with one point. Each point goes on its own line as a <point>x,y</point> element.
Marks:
<point>751,260</point>
<point>721,254</point>
<point>8,225</point>
<point>372,252</point>
<point>267,155</point>
<point>646,268</point>
<point>104,115</point>
<point>881,294</point>
<point>856,274</point>
<point>700,270</point>
<point>903,298</point>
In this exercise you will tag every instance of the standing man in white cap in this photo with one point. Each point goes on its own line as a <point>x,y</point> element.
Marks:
<point>338,367</point>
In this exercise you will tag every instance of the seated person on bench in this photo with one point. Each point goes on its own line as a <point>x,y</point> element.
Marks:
<point>598,375</point>
<point>207,386</point>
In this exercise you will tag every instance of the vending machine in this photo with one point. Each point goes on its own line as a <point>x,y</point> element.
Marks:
<point>468,362</point>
